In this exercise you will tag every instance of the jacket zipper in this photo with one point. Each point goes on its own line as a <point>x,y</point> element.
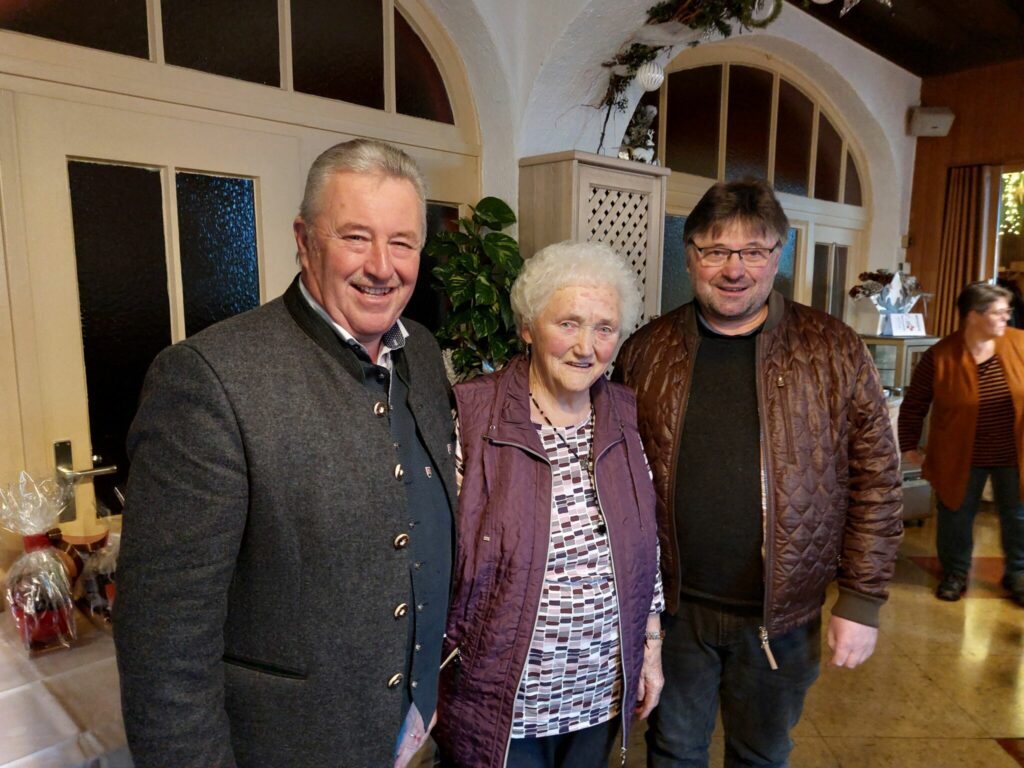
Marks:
<point>536,612</point>
<point>767,494</point>
<point>678,426</point>
<point>625,703</point>
<point>780,383</point>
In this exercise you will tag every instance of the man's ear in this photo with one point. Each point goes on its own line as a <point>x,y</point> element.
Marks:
<point>301,232</point>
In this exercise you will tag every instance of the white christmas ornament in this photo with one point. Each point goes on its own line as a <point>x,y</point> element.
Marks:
<point>650,76</point>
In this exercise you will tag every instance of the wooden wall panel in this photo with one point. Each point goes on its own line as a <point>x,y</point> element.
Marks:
<point>988,103</point>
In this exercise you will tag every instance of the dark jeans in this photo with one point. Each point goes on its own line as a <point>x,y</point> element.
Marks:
<point>711,655</point>
<point>955,534</point>
<point>586,748</point>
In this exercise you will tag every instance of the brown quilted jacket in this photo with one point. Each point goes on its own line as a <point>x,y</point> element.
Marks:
<point>831,497</point>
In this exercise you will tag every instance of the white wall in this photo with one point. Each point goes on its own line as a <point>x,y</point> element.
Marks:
<point>535,70</point>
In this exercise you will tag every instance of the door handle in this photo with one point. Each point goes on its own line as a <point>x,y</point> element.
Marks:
<point>67,477</point>
<point>72,476</point>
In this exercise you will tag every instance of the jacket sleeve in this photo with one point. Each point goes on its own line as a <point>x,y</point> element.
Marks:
<point>874,524</point>
<point>183,522</point>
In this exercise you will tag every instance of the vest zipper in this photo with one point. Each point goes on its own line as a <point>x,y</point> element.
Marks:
<point>625,703</point>
<point>536,612</point>
<point>767,494</point>
<point>763,633</point>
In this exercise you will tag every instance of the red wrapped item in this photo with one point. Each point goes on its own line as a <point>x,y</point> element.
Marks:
<point>37,586</point>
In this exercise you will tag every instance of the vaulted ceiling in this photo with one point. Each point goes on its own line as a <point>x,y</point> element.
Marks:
<point>931,37</point>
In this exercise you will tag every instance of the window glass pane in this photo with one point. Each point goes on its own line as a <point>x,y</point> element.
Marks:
<point>830,152</point>
<point>819,280</point>
<point>217,232</point>
<point>787,266</point>
<point>793,140</point>
<point>338,50</point>
<point>428,304</point>
<point>748,124</point>
<point>118,26</point>
<point>851,195</point>
<point>213,36</point>
<point>676,288</point>
<point>419,87</point>
<point>117,212</point>
<point>837,306</point>
<point>691,141</point>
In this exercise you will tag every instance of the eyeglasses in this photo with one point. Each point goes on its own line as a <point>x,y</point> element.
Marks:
<point>999,312</point>
<point>717,256</point>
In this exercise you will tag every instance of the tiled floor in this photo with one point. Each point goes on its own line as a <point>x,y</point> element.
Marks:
<point>945,688</point>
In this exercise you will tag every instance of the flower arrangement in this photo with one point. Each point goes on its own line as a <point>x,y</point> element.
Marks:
<point>890,292</point>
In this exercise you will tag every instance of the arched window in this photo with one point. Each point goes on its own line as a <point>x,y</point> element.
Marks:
<point>362,52</point>
<point>729,112</point>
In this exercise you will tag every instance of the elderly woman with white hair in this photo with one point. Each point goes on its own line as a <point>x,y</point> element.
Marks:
<point>554,628</point>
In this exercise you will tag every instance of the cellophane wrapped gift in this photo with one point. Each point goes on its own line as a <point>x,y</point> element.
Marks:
<point>98,583</point>
<point>37,587</point>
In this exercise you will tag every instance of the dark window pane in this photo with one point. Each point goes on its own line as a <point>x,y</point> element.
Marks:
<point>118,26</point>
<point>838,287</point>
<point>793,141</point>
<point>819,280</point>
<point>787,266</point>
<point>694,105</point>
<point>118,219</point>
<point>851,196</point>
<point>676,288</point>
<point>826,169</point>
<point>338,50</point>
<point>214,36</point>
<point>427,305</point>
<point>748,124</point>
<point>419,87</point>
<point>217,231</point>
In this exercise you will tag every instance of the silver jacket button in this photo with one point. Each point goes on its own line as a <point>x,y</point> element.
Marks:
<point>379,409</point>
<point>401,541</point>
<point>401,609</point>
<point>395,680</point>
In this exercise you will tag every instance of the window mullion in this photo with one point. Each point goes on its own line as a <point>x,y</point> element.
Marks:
<point>154,19</point>
<point>390,99</point>
<point>284,39</point>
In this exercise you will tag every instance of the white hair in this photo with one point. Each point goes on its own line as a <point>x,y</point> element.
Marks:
<point>571,264</point>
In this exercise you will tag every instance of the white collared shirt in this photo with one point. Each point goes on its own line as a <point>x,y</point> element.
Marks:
<point>392,339</point>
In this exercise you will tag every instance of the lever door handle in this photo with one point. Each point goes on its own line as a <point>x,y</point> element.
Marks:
<point>72,476</point>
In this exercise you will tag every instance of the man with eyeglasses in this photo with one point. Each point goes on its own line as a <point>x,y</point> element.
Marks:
<point>776,470</point>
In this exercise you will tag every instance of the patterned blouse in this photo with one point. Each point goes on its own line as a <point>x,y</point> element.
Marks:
<point>573,674</point>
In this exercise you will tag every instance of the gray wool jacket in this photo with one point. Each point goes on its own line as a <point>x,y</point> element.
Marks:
<point>258,577</point>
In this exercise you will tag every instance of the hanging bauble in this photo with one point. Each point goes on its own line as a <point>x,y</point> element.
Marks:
<point>650,75</point>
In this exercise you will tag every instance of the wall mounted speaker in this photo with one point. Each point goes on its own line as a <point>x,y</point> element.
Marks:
<point>930,121</point>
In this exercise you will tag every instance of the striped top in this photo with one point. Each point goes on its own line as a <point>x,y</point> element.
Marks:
<point>994,444</point>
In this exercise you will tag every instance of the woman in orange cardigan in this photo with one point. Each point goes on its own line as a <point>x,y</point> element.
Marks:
<point>973,382</point>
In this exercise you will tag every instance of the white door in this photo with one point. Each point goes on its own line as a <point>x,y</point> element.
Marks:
<point>68,164</point>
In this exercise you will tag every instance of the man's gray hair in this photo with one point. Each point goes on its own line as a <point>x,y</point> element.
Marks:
<point>570,264</point>
<point>361,156</point>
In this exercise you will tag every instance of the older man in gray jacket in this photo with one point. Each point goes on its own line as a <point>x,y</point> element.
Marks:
<point>287,546</point>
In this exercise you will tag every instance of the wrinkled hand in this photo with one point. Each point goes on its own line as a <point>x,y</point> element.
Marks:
<point>851,643</point>
<point>652,680</point>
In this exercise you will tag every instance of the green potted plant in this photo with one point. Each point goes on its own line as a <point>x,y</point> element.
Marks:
<point>476,268</point>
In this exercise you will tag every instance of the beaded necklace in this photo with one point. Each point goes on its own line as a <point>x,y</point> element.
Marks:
<point>588,466</point>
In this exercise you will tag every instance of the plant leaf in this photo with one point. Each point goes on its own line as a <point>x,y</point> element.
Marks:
<point>493,213</point>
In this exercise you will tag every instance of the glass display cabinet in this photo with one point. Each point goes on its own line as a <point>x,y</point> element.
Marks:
<point>896,357</point>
